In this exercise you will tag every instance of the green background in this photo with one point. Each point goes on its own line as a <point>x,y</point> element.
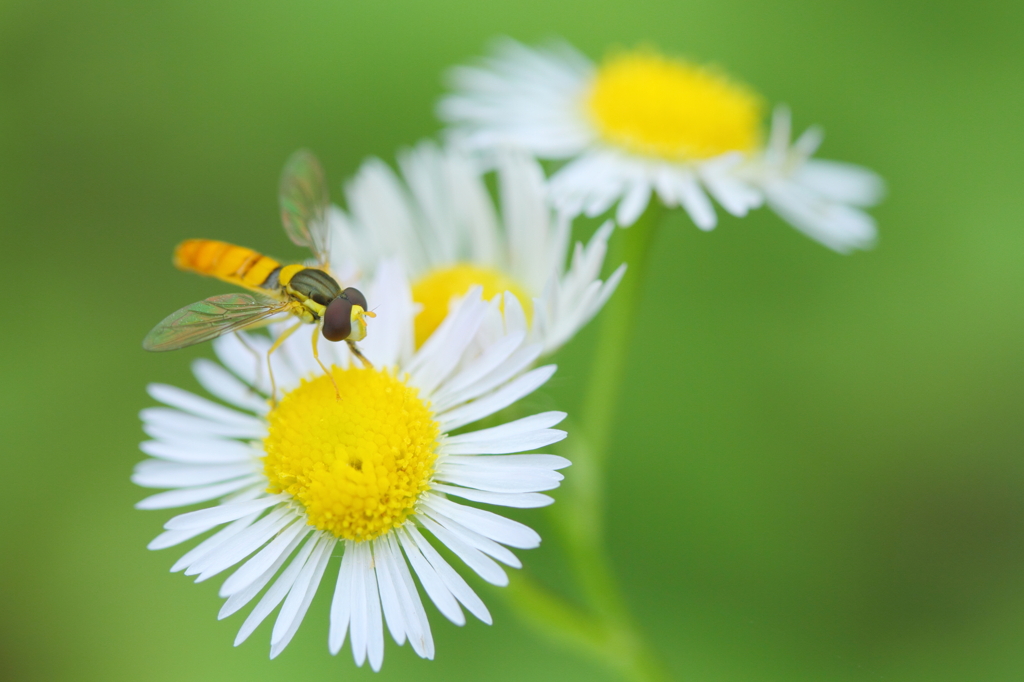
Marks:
<point>818,469</point>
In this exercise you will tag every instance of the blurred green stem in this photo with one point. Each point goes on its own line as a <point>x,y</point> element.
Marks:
<point>617,327</point>
<point>605,630</point>
<point>583,525</point>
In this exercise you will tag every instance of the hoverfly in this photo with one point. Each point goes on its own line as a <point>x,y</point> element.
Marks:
<point>309,293</point>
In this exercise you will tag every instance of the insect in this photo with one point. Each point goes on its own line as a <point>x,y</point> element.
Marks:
<point>309,293</point>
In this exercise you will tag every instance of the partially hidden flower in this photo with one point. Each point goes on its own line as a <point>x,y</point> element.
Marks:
<point>368,475</point>
<point>642,123</point>
<point>438,218</point>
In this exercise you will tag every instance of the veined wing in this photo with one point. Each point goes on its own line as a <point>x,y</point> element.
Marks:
<point>209,319</point>
<point>304,203</point>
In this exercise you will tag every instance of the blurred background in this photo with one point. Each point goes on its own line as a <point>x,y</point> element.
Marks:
<point>819,469</point>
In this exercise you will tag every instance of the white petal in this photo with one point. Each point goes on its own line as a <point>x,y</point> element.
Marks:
<point>497,400</point>
<point>175,420</point>
<point>808,143</point>
<point>432,583</point>
<point>633,203</point>
<point>734,194</point>
<point>837,226</point>
<point>510,462</point>
<point>501,481</point>
<point>187,496</point>
<point>483,565</point>
<point>249,592</point>
<point>224,385</point>
<point>475,540</point>
<point>211,544</point>
<point>242,545</point>
<point>442,351</point>
<point>840,182</point>
<point>264,559</point>
<point>490,360</point>
<point>278,591</point>
<point>418,627</point>
<point>154,473</point>
<point>367,628</point>
<point>393,615</point>
<point>200,407</point>
<point>170,538</point>
<point>516,363</point>
<point>362,572</point>
<point>517,500</point>
<point>300,597</point>
<point>248,360</point>
<point>205,451</point>
<point>451,579</point>
<point>374,624</point>
<point>214,516</point>
<point>389,340</point>
<point>520,435</point>
<point>341,604</point>
<point>515,317</point>
<point>696,203</point>
<point>488,524</point>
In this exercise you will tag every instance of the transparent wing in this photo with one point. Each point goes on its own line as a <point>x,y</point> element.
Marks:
<point>209,319</point>
<point>304,202</point>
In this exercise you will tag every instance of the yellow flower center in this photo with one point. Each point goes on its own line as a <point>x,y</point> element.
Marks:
<point>667,108</point>
<point>357,465</point>
<point>435,290</point>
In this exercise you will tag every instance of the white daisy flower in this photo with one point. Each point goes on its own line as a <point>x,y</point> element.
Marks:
<point>368,477</point>
<point>642,123</point>
<point>439,219</point>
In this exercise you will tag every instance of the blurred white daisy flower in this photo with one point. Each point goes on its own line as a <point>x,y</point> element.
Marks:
<point>438,218</point>
<point>641,123</point>
<point>368,477</point>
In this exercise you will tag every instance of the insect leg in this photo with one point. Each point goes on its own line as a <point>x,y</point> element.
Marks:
<point>355,351</point>
<point>284,335</point>
<point>256,356</point>
<point>316,356</point>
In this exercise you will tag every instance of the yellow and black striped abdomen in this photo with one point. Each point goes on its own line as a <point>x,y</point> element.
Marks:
<point>235,264</point>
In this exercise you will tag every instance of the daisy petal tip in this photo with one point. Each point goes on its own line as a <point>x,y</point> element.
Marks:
<point>557,416</point>
<point>558,462</point>
<point>705,223</point>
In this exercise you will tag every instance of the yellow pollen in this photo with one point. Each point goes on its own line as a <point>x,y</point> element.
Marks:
<point>357,465</point>
<point>667,108</point>
<point>435,290</point>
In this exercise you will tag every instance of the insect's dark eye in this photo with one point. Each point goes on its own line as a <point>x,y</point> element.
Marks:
<point>338,319</point>
<point>356,297</point>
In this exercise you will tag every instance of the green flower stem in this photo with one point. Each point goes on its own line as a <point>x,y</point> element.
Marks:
<point>616,647</point>
<point>583,524</point>
<point>606,630</point>
<point>617,329</point>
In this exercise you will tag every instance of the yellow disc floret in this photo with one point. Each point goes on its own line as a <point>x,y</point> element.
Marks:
<point>356,464</point>
<point>435,290</point>
<point>667,108</point>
